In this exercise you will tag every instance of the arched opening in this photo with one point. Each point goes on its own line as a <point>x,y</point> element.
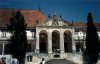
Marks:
<point>67,41</point>
<point>43,41</point>
<point>55,41</point>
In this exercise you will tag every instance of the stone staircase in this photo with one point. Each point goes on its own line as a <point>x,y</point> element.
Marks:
<point>60,61</point>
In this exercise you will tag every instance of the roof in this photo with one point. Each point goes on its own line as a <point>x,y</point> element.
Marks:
<point>81,26</point>
<point>31,17</point>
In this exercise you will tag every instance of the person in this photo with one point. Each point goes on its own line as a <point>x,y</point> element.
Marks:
<point>42,62</point>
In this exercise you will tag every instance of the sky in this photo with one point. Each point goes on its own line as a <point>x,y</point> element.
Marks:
<point>71,10</point>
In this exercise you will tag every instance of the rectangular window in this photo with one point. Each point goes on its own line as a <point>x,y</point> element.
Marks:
<point>29,58</point>
<point>32,34</point>
<point>3,35</point>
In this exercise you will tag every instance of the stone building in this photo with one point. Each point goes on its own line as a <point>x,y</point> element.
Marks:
<point>31,18</point>
<point>48,37</point>
<point>55,36</point>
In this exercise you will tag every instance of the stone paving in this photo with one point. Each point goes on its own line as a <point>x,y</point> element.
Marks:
<point>77,58</point>
<point>60,61</point>
<point>72,58</point>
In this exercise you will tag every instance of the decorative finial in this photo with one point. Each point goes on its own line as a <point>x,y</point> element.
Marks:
<point>49,16</point>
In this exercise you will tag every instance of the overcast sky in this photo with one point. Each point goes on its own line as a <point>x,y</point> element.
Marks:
<point>75,10</point>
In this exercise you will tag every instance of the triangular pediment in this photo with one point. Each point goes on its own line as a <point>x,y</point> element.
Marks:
<point>55,22</point>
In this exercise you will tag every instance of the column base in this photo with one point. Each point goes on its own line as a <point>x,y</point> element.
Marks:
<point>50,51</point>
<point>62,51</point>
<point>37,51</point>
<point>62,56</point>
<point>50,55</point>
<point>74,51</point>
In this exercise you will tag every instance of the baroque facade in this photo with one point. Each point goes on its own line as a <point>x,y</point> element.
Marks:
<point>48,37</point>
<point>55,36</point>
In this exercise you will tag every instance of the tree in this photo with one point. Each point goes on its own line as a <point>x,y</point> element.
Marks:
<point>18,43</point>
<point>92,41</point>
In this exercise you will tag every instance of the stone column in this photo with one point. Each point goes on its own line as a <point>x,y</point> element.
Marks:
<point>61,45</point>
<point>49,42</point>
<point>73,44</point>
<point>61,42</point>
<point>37,42</point>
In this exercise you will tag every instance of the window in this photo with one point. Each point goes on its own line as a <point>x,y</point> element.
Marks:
<point>3,35</point>
<point>33,35</point>
<point>29,58</point>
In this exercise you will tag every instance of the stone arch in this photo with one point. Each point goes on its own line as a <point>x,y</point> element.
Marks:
<point>67,41</point>
<point>43,41</point>
<point>55,40</point>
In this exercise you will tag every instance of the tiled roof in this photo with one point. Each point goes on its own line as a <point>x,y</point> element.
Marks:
<point>81,26</point>
<point>30,16</point>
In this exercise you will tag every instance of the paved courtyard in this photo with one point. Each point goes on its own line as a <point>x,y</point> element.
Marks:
<point>72,58</point>
<point>77,58</point>
<point>60,61</point>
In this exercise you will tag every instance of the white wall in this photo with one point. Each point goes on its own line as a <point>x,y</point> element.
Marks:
<point>8,35</point>
<point>80,35</point>
<point>30,35</point>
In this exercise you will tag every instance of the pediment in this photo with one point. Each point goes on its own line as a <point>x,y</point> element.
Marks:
<point>52,23</point>
<point>55,22</point>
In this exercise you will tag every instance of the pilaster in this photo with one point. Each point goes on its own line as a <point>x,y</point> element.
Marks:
<point>49,42</point>
<point>37,41</point>
<point>61,44</point>
<point>73,44</point>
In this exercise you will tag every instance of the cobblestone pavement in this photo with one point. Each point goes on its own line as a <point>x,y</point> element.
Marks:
<point>72,58</point>
<point>60,61</point>
<point>77,58</point>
